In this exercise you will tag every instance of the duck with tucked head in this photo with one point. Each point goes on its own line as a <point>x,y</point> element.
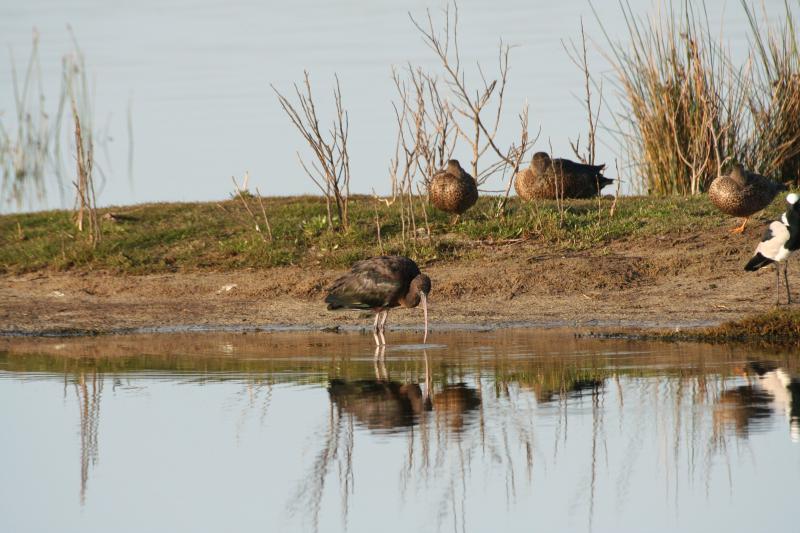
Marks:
<point>548,178</point>
<point>742,193</point>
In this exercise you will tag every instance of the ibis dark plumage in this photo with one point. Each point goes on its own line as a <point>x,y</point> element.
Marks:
<point>780,240</point>
<point>379,284</point>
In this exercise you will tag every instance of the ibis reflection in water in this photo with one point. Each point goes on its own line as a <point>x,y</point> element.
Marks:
<point>384,404</point>
<point>380,284</point>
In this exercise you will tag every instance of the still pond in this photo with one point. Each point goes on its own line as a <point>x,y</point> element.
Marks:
<point>509,430</point>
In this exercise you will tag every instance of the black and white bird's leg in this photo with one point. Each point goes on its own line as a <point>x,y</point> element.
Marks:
<point>777,284</point>
<point>786,282</point>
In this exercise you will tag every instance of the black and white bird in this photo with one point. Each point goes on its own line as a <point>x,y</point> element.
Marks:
<point>780,240</point>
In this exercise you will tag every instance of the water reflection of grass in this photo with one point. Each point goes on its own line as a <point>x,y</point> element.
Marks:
<point>456,409</point>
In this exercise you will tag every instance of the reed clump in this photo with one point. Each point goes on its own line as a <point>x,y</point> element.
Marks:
<point>24,149</point>
<point>682,106</point>
<point>688,109</point>
<point>774,101</point>
<point>80,99</point>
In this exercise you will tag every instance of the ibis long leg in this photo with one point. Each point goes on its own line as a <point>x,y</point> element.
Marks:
<point>382,325</point>
<point>375,329</point>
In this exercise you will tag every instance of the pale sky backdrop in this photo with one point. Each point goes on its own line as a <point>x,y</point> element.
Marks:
<point>197,76</point>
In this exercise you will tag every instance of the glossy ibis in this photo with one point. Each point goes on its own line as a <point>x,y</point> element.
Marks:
<point>780,240</point>
<point>453,190</point>
<point>552,178</point>
<point>743,194</point>
<point>379,284</point>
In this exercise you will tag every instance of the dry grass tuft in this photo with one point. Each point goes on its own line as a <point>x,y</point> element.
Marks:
<point>682,102</point>
<point>774,101</point>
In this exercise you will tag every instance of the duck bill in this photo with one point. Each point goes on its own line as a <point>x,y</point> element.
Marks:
<point>424,301</point>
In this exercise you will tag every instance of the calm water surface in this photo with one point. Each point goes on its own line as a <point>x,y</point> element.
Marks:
<point>503,431</point>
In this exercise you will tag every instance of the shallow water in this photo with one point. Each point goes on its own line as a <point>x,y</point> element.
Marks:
<point>197,75</point>
<point>504,430</point>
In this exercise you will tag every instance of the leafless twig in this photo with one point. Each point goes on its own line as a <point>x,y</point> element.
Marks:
<point>330,170</point>
<point>467,108</point>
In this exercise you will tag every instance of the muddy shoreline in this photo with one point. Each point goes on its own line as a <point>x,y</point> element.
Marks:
<point>687,281</point>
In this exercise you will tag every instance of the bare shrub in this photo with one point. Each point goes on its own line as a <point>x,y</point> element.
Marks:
<point>252,203</point>
<point>330,170</point>
<point>578,55</point>
<point>475,114</point>
<point>425,141</point>
<point>77,91</point>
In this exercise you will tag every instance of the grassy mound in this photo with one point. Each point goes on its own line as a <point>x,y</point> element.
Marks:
<point>168,237</point>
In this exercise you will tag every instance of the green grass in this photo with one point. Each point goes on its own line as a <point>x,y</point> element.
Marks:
<point>775,325</point>
<point>168,237</point>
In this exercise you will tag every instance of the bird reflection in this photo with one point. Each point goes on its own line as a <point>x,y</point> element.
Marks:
<point>456,406</point>
<point>378,403</point>
<point>567,389</point>
<point>385,404</point>
<point>770,391</point>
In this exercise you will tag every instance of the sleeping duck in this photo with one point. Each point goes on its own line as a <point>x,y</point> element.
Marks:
<point>552,178</point>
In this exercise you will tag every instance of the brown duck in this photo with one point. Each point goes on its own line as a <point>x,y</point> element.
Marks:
<point>575,180</point>
<point>452,189</point>
<point>742,193</point>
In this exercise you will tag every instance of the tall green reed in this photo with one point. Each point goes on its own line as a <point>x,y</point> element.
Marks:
<point>773,146</point>
<point>682,103</point>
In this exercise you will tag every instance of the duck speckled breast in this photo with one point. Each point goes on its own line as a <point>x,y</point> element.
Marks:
<point>738,200</point>
<point>534,186</point>
<point>451,193</point>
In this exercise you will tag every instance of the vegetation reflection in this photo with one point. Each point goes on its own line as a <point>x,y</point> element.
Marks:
<point>503,408</point>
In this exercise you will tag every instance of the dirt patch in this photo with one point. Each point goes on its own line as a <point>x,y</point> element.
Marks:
<point>684,280</point>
